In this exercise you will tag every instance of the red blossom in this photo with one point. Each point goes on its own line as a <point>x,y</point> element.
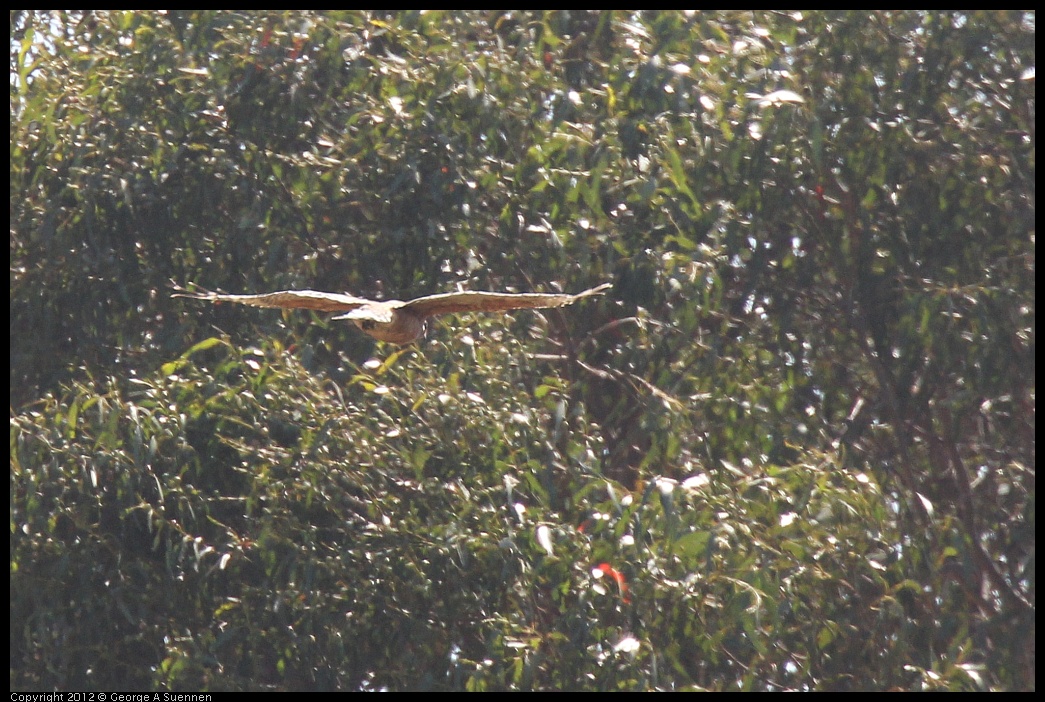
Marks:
<point>618,577</point>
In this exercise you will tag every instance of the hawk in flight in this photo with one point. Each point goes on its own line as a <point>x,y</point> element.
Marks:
<point>396,321</point>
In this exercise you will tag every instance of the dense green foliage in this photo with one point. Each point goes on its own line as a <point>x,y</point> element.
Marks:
<point>792,449</point>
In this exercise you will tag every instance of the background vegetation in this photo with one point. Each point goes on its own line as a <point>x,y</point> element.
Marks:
<point>792,449</point>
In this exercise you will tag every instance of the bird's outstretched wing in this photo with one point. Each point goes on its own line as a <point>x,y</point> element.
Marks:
<point>447,303</point>
<point>285,299</point>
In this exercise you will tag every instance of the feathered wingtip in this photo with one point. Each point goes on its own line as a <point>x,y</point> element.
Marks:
<point>198,293</point>
<point>597,290</point>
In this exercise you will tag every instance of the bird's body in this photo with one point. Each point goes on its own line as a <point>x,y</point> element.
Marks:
<point>396,321</point>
